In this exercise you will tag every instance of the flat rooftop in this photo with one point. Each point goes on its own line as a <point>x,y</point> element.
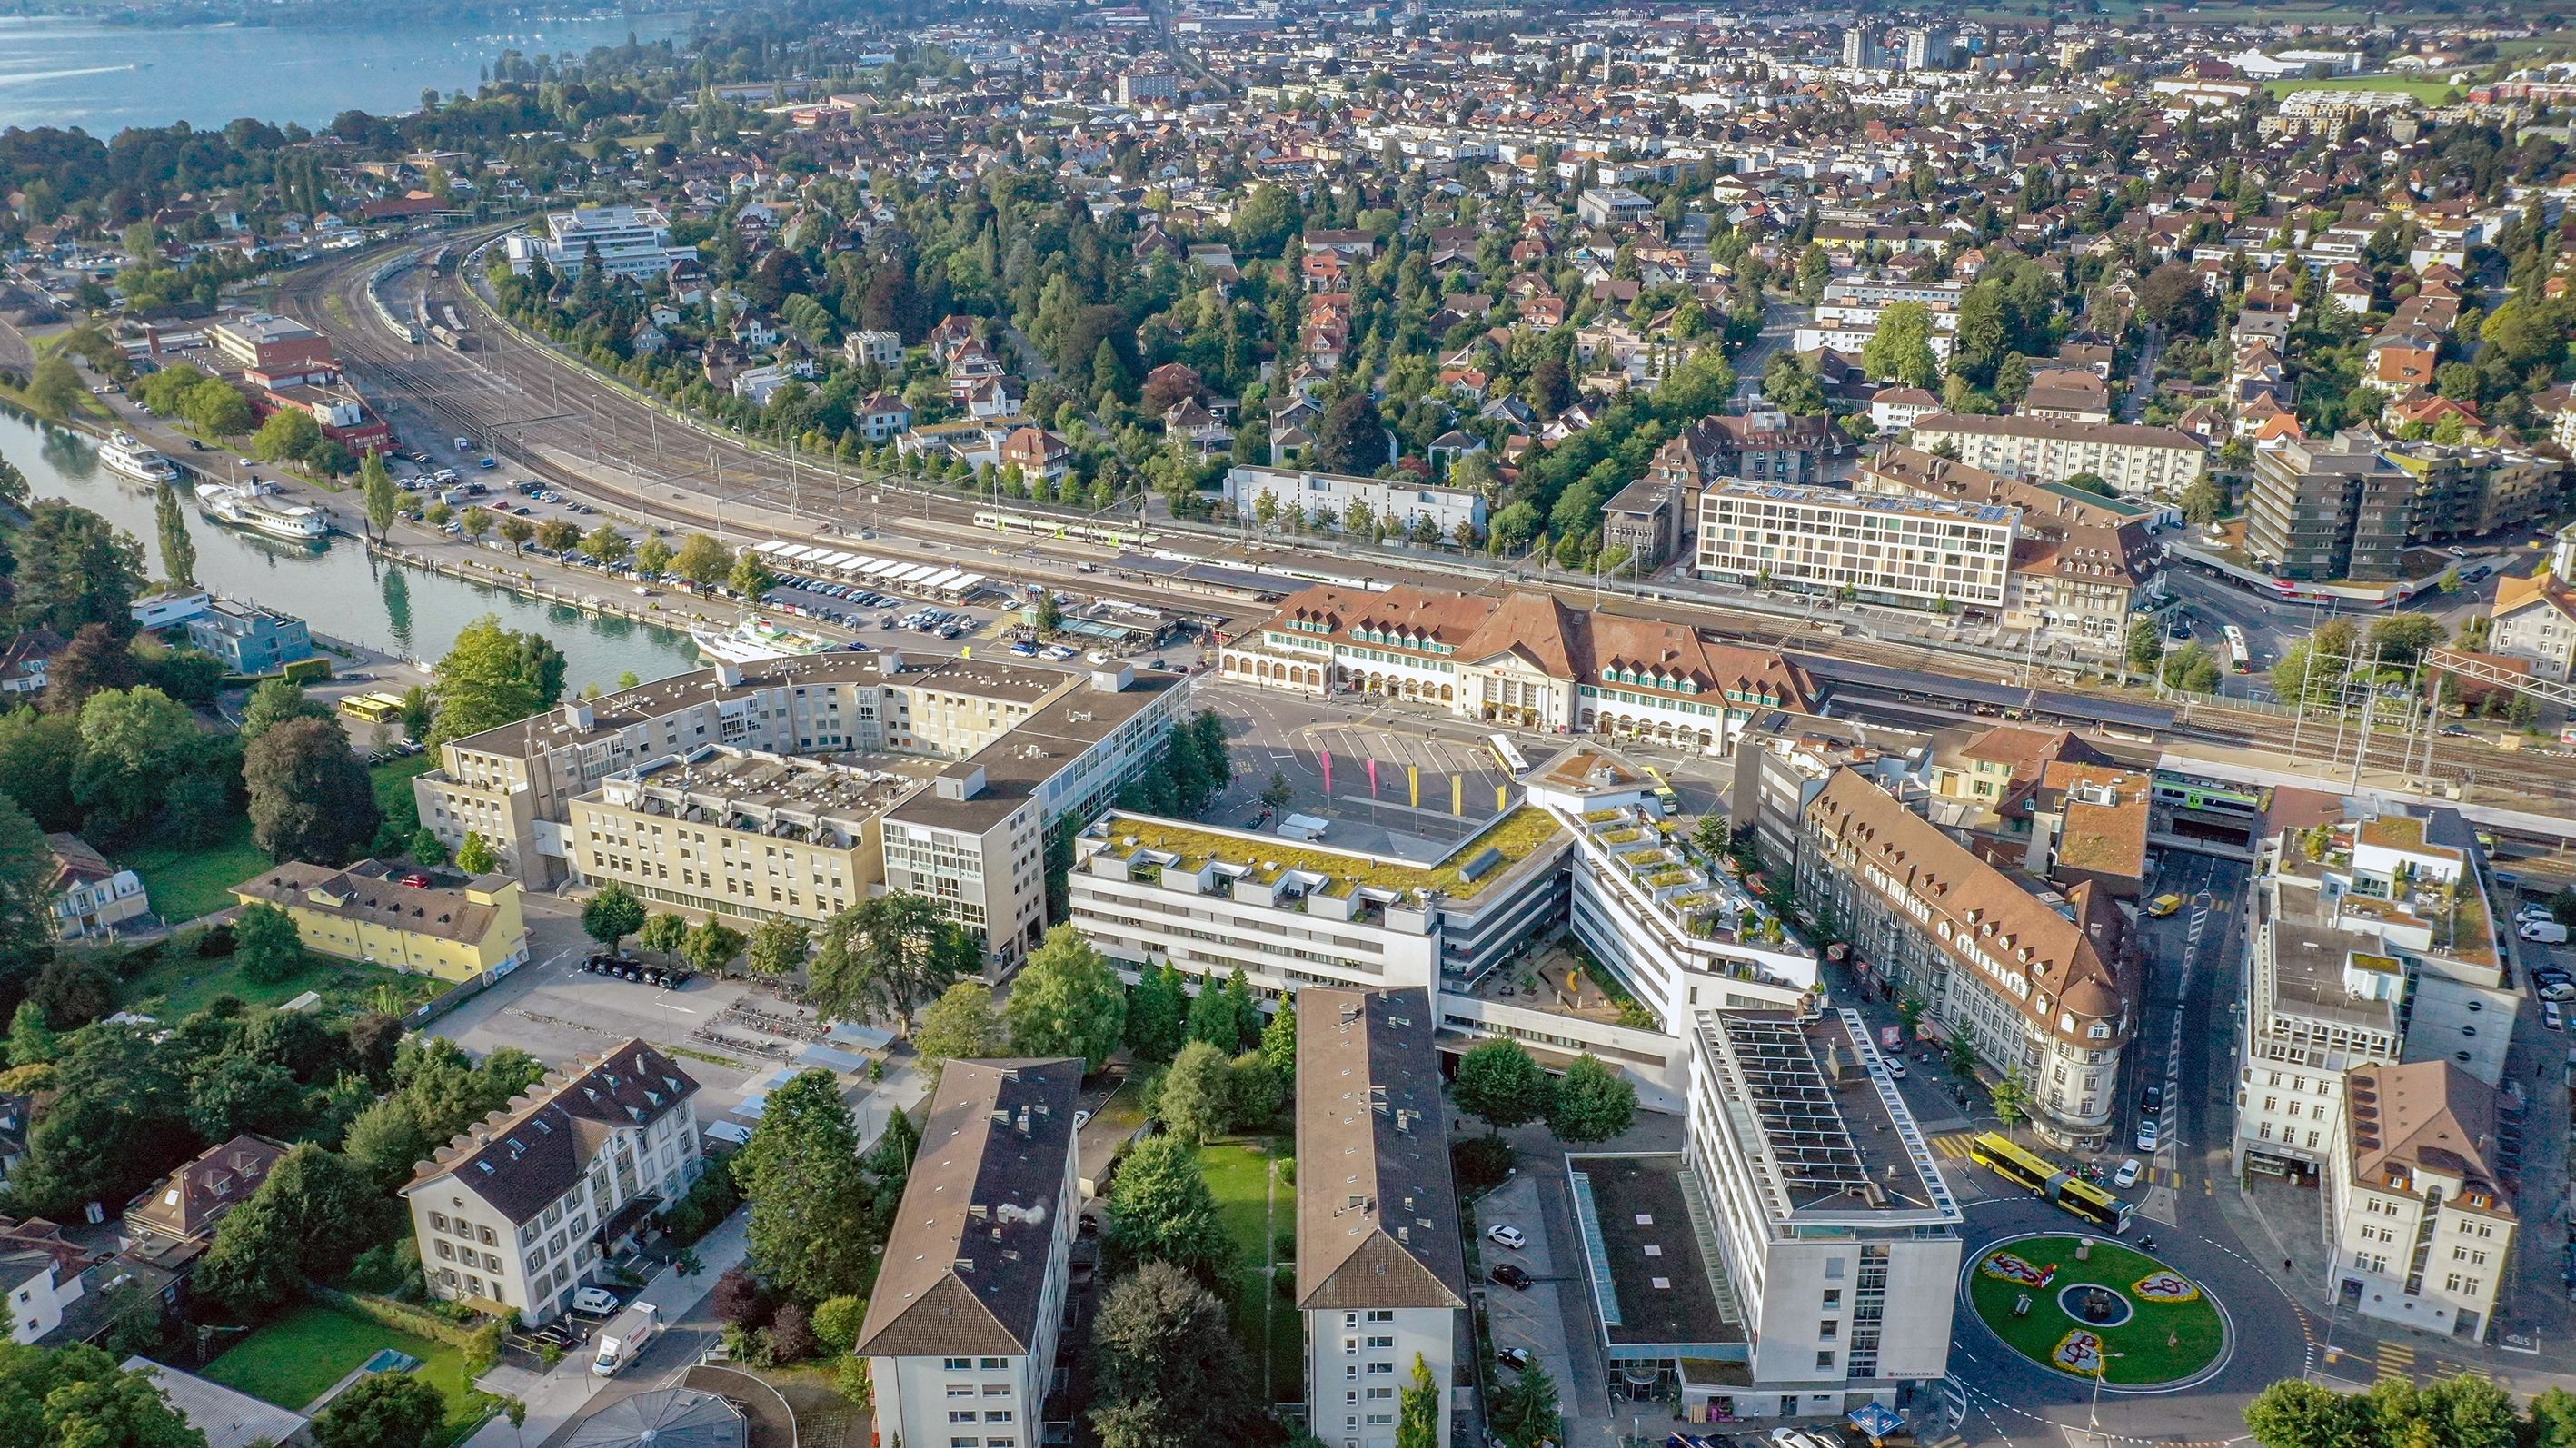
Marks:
<point>1031,752</point>
<point>2308,962</point>
<point>1650,1282</point>
<point>1912,505</point>
<point>733,786</point>
<point>1837,1142</point>
<point>1463,874</point>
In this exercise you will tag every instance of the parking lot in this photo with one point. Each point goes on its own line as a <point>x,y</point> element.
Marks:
<point>1531,1319</point>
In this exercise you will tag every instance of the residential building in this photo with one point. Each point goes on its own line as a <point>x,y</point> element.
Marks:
<point>1526,660</point>
<point>227,1418</point>
<point>1762,444</point>
<point>183,1208</point>
<point>460,932</point>
<point>274,351</point>
<point>2534,619</point>
<point>725,831</point>
<point>1333,500</point>
<point>91,896</point>
<point>23,665</point>
<point>1610,206</point>
<point>1141,85</point>
<point>41,1277</point>
<point>1651,518</point>
<point>1883,547</point>
<point>2422,1224</point>
<point>2472,491</point>
<point>631,241</point>
<point>2329,509</point>
<point>2035,985</point>
<point>250,639</point>
<point>969,1305</point>
<point>882,416</point>
<point>864,347</point>
<point>169,608</point>
<point>1836,1241</point>
<point>516,785</point>
<point>1381,1273</point>
<point>532,1202</point>
<point>2138,462</point>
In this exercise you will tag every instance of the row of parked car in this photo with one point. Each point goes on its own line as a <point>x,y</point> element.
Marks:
<point>626,967</point>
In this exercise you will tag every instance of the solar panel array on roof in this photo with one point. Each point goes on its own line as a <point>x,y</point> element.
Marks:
<point>1794,1103</point>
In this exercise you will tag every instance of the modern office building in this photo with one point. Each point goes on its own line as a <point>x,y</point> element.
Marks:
<point>1884,548</point>
<point>2421,1223</point>
<point>2033,982</point>
<point>274,351</point>
<point>969,1305</point>
<point>528,1205</point>
<point>631,241</point>
<point>2138,462</point>
<point>1381,1273</point>
<point>2329,508</point>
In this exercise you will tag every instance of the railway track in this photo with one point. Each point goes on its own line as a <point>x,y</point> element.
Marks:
<point>536,402</point>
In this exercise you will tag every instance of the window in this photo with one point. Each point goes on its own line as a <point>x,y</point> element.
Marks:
<point>1833,1297</point>
<point>1377,1369</point>
<point>961,1415</point>
<point>1825,1360</point>
<point>1380,1394</point>
<point>997,1415</point>
<point>997,1390</point>
<point>1351,1345</point>
<point>961,1390</point>
<point>1828,1330</point>
<point>1382,1315</point>
<point>958,1365</point>
<point>1387,1341</point>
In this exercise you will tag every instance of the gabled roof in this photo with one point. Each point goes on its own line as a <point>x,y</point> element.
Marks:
<point>1377,1215</point>
<point>188,1202</point>
<point>529,1155</point>
<point>2429,1116</point>
<point>968,1256</point>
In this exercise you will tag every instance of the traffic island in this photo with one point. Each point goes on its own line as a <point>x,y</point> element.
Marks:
<point>2090,1307</point>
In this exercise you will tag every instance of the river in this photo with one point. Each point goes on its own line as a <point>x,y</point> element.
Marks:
<point>69,71</point>
<point>338,589</point>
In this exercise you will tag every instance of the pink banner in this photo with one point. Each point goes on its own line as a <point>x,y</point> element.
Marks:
<point>1327,756</point>
<point>1372,774</point>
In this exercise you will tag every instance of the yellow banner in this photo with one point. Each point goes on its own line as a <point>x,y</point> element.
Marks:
<point>1457,800</point>
<point>1413,781</point>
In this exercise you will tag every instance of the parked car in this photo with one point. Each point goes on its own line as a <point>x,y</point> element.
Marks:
<point>594,1299</point>
<point>2543,932</point>
<point>2149,1133</point>
<point>2127,1175</point>
<point>2553,1017</point>
<point>2164,905</point>
<point>1504,1235</point>
<point>2152,1100</point>
<point>1515,1358</point>
<point>1510,1276</point>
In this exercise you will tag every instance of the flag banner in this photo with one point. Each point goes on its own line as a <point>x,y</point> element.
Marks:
<point>1413,781</point>
<point>1328,769</point>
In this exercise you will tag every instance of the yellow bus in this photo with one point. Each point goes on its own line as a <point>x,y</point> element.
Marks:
<point>2045,1178</point>
<point>1664,795</point>
<point>373,708</point>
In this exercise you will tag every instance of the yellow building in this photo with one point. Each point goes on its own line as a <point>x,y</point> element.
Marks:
<point>367,913</point>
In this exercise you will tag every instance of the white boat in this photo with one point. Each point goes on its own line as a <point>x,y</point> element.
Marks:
<point>125,453</point>
<point>755,639</point>
<point>262,507</point>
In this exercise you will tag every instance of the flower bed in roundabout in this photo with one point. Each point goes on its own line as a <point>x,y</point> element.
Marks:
<point>2156,1324</point>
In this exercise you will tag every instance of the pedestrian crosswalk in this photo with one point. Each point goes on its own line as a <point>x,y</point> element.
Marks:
<point>1954,1145</point>
<point>2396,1360</point>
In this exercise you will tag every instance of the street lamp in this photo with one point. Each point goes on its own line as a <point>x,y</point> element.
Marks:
<point>2093,1415</point>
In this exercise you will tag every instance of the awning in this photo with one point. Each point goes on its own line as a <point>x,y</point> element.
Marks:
<point>1876,1419</point>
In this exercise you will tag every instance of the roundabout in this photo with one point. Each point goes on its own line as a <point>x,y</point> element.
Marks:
<point>2092,1307</point>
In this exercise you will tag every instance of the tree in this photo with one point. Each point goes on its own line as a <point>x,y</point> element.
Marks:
<point>72,992</point>
<point>702,560</point>
<point>961,1025</point>
<point>494,676</point>
<point>312,1217</point>
<point>606,545</point>
<point>376,488</point>
<point>477,521</point>
<point>289,435</point>
<point>711,946</point>
<point>2172,297</point>
<point>2203,501</point>
<point>1419,1409</point>
<point>31,1041</point>
<point>653,556</point>
<point>1525,1412</point>
<point>215,408</point>
<point>2011,1098</point>
<point>611,914</point>
<point>1224,1016</point>
<point>1166,1366</point>
<point>1497,1080</point>
<point>888,956</point>
<point>118,1121</point>
<point>273,702</point>
<point>1278,792</point>
<point>1160,1210</point>
<point>1279,1038</point>
<point>1351,439</point>
<point>55,387</point>
<point>383,1410</point>
<point>310,798</point>
<point>809,1237</point>
<point>38,752</point>
<point>77,1397</point>
<point>239,1093</point>
<point>2402,638</point>
<point>1067,1001</point>
<point>749,577</point>
<point>1901,347</point>
<point>265,943</point>
<point>75,568</point>
<point>558,536</point>
<point>97,660</point>
<point>2192,669</point>
<point>516,531</point>
<point>475,855</point>
<point>1592,1102</point>
<point>1197,1094</point>
<point>663,934</point>
<point>2296,1413</point>
<point>778,947</point>
<point>178,550</point>
<point>1157,1011</point>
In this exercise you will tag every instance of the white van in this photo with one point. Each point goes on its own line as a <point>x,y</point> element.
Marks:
<point>2543,932</point>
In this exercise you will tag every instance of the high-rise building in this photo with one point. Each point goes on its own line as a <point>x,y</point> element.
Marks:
<point>1860,48</point>
<point>2329,508</point>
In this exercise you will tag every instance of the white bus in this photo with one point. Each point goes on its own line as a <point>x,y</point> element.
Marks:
<point>2239,658</point>
<point>1507,755</point>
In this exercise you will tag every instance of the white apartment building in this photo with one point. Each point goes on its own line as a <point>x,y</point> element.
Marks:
<point>633,241</point>
<point>2033,984</point>
<point>1838,1237</point>
<point>517,1212</point>
<point>962,1327</point>
<point>1852,335</point>
<point>885,349</point>
<point>1887,548</point>
<point>2138,462</point>
<point>1381,1274</point>
<point>1525,659</point>
<point>1325,500</point>
<point>2420,1227</point>
<point>2534,618</point>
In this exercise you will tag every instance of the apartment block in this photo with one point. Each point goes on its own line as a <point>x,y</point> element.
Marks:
<point>2034,984</point>
<point>2138,462</point>
<point>531,1203</point>
<point>1381,1273</point>
<point>2421,1224</point>
<point>2328,509</point>
<point>736,832</point>
<point>1328,500</point>
<point>1885,548</point>
<point>630,241</point>
<point>962,1327</point>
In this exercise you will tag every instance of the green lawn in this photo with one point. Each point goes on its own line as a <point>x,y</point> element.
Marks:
<point>2434,92</point>
<point>177,985</point>
<point>186,882</point>
<point>1254,1209</point>
<point>297,1358</point>
<point>2140,1345</point>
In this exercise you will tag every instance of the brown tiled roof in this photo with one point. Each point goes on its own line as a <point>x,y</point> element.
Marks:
<point>2067,962</point>
<point>192,1199</point>
<point>1377,1216</point>
<point>2427,1115</point>
<point>968,1255</point>
<point>529,1155</point>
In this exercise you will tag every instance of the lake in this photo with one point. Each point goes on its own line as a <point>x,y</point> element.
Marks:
<point>67,71</point>
<point>338,589</point>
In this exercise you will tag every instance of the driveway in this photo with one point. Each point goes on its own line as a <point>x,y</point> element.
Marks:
<point>1535,1319</point>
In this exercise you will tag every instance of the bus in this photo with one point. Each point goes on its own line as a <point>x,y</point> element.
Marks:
<point>1040,526</point>
<point>373,708</point>
<point>2046,1179</point>
<point>1507,755</point>
<point>1664,795</point>
<point>2239,658</point>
